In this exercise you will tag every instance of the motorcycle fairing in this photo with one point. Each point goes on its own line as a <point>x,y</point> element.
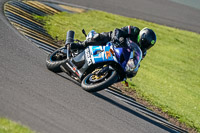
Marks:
<point>99,54</point>
<point>123,55</point>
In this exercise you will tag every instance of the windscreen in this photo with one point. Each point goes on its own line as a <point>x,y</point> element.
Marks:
<point>136,54</point>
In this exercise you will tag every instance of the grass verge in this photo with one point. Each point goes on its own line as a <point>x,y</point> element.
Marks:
<point>8,126</point>
<point>169,75</point>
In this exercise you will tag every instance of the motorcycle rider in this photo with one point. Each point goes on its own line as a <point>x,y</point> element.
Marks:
<point>145,39</point>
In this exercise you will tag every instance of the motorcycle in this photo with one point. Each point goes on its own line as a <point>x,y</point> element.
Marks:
<point>95,67</point>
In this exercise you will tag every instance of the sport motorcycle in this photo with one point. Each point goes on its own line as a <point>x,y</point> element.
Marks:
<point>95,67</point>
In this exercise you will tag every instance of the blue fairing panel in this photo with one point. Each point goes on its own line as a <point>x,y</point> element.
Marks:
<point>125,52</point>
<point>101,54</point>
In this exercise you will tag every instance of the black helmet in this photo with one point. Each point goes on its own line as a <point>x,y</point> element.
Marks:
<point>146,39</point>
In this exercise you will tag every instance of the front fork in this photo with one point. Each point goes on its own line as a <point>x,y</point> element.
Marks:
<point>67,48</point>
<point>103,70</point>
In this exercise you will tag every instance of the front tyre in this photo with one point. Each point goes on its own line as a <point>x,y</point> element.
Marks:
<point>55,59</point>
<point>93,83</point>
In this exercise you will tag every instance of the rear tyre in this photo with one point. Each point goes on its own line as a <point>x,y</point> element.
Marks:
<point>53,62</point>
<point>90,84</point>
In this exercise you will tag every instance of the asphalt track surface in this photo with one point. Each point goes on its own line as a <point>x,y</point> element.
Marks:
<point>50,103</point>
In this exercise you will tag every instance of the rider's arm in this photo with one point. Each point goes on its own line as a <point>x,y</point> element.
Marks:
<point>128,31</point>
<point>116,34</point>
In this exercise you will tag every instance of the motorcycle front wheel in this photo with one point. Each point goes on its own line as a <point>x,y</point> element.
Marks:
<point>93,82</point>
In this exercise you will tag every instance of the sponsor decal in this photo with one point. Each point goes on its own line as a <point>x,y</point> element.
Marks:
<point>88,56</point>
<point>77,73</point>
<point>108,54</point>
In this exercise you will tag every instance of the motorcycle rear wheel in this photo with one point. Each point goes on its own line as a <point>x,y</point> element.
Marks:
<point>52,63</point>
<point>96,85</point>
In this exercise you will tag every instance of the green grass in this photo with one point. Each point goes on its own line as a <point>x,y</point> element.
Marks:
<point>169,76</point>
<point>7,126</point>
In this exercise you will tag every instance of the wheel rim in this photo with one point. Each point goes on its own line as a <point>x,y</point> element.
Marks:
<point>94,78</point>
